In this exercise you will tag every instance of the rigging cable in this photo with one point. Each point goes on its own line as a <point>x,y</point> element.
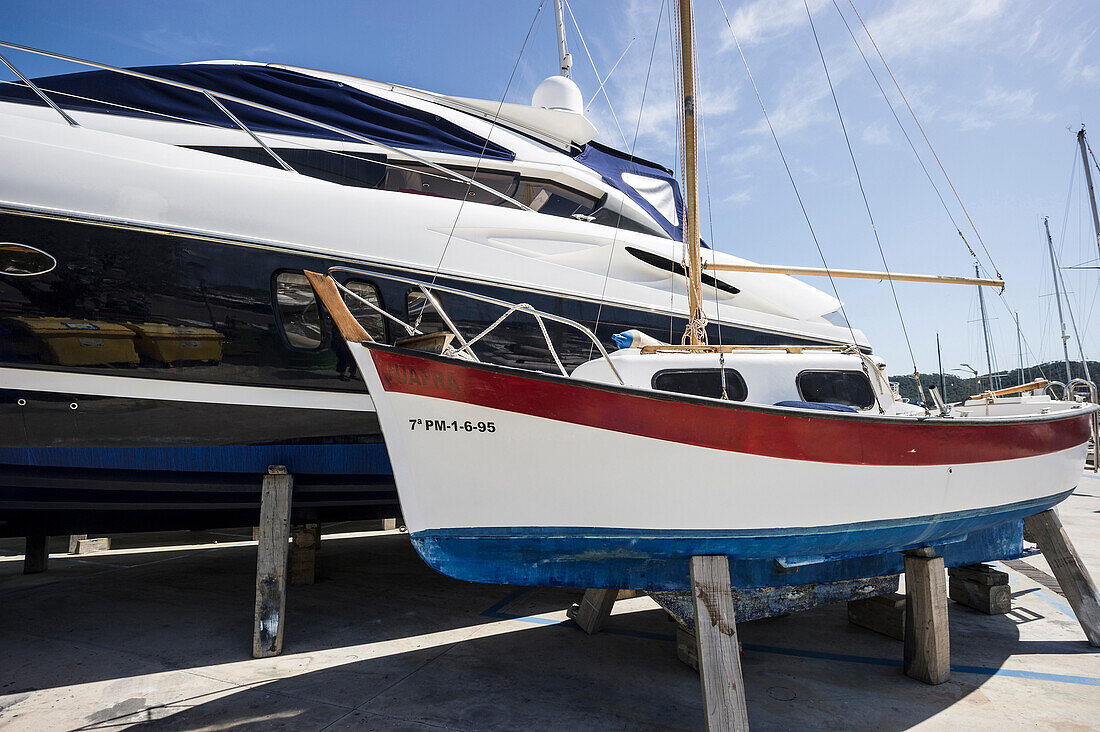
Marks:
<point>866,202</point>
<point>594,70</point>
<point>637,128</point>
<point>481,156</point>
<point>787,167</point>
<point>927,141</point>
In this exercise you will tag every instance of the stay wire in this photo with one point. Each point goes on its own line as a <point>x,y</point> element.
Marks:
<point>904,132</point>
<point>634,144</point>
<point>594,70</point>
<point>790,175</point>
<point>481,155</point>
<point>927,141</point>
<point>863,193</point>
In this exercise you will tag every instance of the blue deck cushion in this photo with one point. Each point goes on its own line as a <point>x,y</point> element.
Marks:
<point>823,406</point>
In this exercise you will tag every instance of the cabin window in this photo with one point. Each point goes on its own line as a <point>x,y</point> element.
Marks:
<point>702,382</point>
<point>406,177</point>
<point>371,320</point>
<point>421,309</point>
<point>22,260</point>
<point>362,170</point>
<point>550,198</point>
<point>836,387</point>
<point>299,314</point>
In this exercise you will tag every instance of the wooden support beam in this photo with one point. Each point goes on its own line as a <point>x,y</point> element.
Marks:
<point>305,540</point>
<point>594,609</point>
<point>1069,570</point>
<point>883,614</point>
<point>36,555</point>
<point>271,562</point>
<point>859,274</point>
<point>74,542</point>
<point>980,587</point>
<point>90,546</point>
<point>927,654</point>
<point>718,654</point>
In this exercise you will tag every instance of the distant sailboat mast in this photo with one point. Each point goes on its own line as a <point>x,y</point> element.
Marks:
<point>1088,181</point>
<point>994,381</point>
<point>1058,299</point>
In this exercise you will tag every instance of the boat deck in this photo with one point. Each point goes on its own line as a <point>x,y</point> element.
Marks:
<point>159,629</point>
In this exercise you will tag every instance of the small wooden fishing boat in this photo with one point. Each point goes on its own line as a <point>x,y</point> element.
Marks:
<point>615,475</point>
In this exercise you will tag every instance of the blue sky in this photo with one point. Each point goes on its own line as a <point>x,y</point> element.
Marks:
<point>1001,86</point>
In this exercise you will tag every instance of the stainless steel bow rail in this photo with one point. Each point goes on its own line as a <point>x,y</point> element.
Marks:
<point>510,308</point>
<point>214,96</point>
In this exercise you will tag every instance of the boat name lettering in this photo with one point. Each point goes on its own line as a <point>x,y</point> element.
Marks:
<point>404,375</point>
<point>442,425</point>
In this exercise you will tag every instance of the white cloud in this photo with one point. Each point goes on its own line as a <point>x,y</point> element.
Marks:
<point>996,106</point>
<point>739,197</point>
<point>876,133</point>
<point>765,20</point>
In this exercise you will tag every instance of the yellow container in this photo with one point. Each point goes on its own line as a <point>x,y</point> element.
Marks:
<point>76,342</point>
<point>173,343</point>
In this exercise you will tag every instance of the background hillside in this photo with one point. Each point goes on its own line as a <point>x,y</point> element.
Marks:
<point>959,387</point>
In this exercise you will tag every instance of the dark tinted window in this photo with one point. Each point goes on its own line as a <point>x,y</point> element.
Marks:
<point>367,316</point>
<point>364,170</point>
<point>702,382</point>
<point>836,387</point>
<point>298,310</point>
<point>423,315</point>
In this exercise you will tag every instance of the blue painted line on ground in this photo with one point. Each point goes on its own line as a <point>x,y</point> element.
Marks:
<point>497,611</point>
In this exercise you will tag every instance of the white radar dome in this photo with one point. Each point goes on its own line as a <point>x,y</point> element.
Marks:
<point>560,93</point>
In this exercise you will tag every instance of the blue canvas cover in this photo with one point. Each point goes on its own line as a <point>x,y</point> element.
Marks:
<point>823,406</point>
<point>611,164</point>
<point>319,99</point>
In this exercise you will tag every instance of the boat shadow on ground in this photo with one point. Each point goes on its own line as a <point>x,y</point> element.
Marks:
<point>382,641</point>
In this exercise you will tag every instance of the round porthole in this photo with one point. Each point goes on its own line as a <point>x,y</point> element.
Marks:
<point>22,260</point>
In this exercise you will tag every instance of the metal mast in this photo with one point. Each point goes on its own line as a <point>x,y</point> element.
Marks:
<point>1020,347</point>
<point>1088,181</point>
<point>1058,299</point>
<point>564,56</point>
<point>696,328</point>
<point>939,360</point>
<point>994,382</point>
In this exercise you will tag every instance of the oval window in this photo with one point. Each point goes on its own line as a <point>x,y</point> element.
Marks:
<point>20,260</point>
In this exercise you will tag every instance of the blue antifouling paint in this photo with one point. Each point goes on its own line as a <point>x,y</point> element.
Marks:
<point>658,560</point>
<point>355,459</point>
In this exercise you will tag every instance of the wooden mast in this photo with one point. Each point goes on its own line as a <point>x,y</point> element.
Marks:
<point>694,335</point>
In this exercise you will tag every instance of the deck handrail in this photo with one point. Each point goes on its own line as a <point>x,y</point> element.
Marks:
<point>214,95</point>
<point>427,288</point>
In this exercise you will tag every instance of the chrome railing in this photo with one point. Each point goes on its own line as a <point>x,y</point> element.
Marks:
<point>215,96</point>
<point>466,346</point>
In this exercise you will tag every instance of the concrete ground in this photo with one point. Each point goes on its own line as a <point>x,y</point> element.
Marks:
<point>157,633</point>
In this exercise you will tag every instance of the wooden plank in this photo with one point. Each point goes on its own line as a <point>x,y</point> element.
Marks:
<point>883,614</point>
<point>594,609</point>
<point>718,653</point>
<point>983,574</point>
<point>927,654</point>
<point>861,274</point>
<point>989,599</point>
<point>1070,571</point>
<point>271,562</point>
<point>74,542</point>
<point>90,546</point>
<point>326,290</point>
<point>305,540</point>
<point>36,555</point>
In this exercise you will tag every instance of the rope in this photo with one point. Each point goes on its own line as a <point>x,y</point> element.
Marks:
<point>927,141</point>
<point>787,167</point>
<point>863,193</point>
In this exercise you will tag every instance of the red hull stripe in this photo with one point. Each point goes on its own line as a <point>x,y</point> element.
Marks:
<point>742,429</point>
